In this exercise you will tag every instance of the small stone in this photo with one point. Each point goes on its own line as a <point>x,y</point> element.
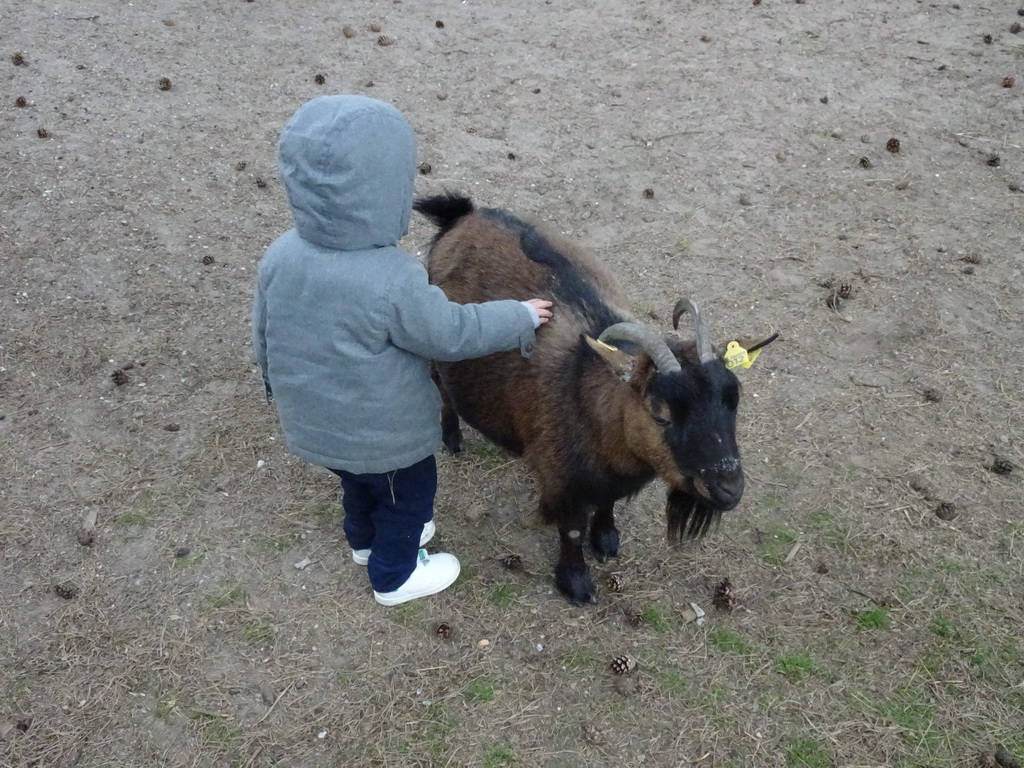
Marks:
<point>483,643</point>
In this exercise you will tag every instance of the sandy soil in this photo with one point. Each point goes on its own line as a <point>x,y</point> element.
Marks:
<point>732,151</point>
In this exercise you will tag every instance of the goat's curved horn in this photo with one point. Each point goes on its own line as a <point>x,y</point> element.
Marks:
<point>650,342</point>
<point>704,350</point>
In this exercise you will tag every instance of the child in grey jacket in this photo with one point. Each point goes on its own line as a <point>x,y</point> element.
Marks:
<point>345,326</point>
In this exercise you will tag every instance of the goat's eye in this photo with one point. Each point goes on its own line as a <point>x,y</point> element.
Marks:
<point>660,421</point>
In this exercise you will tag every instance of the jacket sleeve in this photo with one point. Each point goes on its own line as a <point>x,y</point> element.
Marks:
<point>259,335</point>
<point>424,322</point>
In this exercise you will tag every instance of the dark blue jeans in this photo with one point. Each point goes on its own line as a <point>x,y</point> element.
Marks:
<point>386,512</point>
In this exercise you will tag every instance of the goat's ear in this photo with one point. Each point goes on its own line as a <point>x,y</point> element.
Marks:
<point>751,343</point>
<point>621,363</point>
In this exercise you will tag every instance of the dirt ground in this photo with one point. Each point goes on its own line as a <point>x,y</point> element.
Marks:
<point>734,151</point>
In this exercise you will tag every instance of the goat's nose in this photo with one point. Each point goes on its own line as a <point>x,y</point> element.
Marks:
<point>728,490</point>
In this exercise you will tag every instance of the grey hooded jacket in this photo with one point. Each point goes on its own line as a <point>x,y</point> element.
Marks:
<point>344,323</point>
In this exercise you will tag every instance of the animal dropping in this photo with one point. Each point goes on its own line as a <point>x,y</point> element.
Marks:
<point>598,400</point>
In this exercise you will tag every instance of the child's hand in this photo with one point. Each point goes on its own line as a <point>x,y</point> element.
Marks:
<point>542,309</point>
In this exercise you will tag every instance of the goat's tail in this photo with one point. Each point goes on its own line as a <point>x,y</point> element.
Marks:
<point>444,210</point>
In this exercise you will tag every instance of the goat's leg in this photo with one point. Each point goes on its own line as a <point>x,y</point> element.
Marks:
<point>571,574</point>
<point>604,536</point>
<point>451,432</point>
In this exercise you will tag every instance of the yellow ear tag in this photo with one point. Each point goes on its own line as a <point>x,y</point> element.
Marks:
<point>736,355</point>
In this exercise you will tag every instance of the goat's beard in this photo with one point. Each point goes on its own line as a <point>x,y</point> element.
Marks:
<point>689,516</point>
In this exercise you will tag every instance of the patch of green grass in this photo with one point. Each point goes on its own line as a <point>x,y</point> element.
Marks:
<point>873,618</point>
<point>407,614</point>
<point>479,690</point>
<point>654,617</point>
<point>640,309</point>
<point>777,541</point>
<point>580,658</point>
<point>22,686</point>
<point>215,733</point>
<point>132,517</point>
<point>327,514</point>
<point>166,706</point>
<point>258,632</point>
<point>910,712</point>
<point>189,560</point>
<point>941,626</point>
<point>502,596</point>
<point>488,454</point>
<point>673,682</point>
<point>260,543</point>
<point>498,755</point>
<point>805,752</point>
<point>834,529</point>
<point>440,724</point>
<point>769,503</point>
<point>727,641</point>
<point>230,595</point>
<point>795,666</point>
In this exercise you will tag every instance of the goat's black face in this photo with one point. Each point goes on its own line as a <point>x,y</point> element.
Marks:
<point>696,409</point>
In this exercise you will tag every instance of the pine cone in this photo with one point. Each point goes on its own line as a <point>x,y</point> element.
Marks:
<point>1001,465</point>
<point>634,616</point>
<point>443,631</point>
<point>620,665</point>
<point>725,596</point>
<point>66,590</point>
<point>512,562</point>
<point>616,582</point>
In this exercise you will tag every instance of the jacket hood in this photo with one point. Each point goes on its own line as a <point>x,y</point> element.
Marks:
<point>348,165</point>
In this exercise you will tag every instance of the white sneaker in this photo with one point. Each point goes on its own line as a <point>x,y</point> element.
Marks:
<point>362,556</point>
<point>433,573</point>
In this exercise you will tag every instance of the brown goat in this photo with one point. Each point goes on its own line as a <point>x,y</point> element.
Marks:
<point>595,422</point>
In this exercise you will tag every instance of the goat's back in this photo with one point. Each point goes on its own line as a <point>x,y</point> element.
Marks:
<point>485,255</point>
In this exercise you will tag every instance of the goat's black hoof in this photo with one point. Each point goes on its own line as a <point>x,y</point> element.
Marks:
<point>577,586</point>
<point>604,543</point>
<point>452,444</point>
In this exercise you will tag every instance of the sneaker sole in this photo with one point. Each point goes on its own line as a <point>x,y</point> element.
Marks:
<point>389,601</point>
